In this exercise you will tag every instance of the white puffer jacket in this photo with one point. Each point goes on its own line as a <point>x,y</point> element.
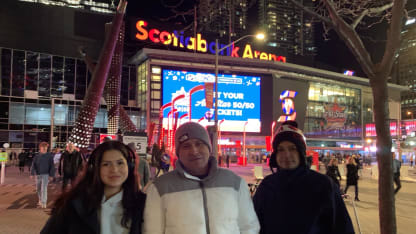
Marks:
<point>178,203</point>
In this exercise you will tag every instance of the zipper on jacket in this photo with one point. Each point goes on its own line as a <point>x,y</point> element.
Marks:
<point>204,199</point>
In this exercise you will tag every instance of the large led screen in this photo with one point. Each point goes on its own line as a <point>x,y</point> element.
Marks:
<point>238,100</point>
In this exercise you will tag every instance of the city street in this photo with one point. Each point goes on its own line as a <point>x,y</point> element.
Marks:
<point>19,215</point>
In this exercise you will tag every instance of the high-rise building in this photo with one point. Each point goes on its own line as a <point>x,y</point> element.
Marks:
<point>101,6</point>
<point>287,27</point>
<point>226,18</point>
<point>406,66</point>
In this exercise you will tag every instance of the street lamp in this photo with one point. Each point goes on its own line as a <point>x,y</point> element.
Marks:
<point>259,36</point>
<point>410,113</point>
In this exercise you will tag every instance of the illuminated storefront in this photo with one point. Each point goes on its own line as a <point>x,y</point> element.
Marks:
<point>331,108</point>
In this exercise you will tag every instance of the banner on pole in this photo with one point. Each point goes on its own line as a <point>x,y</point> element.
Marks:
<point>209,90</point>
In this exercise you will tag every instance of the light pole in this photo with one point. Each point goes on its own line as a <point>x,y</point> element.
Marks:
<point>259,36</point>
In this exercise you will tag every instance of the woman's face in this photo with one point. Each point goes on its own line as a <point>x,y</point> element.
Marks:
<point>113,169</point>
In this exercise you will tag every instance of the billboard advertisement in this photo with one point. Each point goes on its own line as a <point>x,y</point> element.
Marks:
<point>290,98</point>
<point>238,100</point>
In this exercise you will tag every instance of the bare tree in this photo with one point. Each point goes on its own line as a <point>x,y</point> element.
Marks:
<point>344,17</point>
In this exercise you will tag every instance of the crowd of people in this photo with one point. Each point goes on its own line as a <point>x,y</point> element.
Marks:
<point>111,190</point>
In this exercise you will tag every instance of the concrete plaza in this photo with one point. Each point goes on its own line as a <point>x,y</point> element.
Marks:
<point>19,215</point>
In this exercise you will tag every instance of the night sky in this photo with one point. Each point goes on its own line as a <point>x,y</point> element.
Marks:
<point>332,52</point>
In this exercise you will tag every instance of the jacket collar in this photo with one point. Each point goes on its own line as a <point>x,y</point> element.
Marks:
<point>91,219</point>
<point>212,169</point>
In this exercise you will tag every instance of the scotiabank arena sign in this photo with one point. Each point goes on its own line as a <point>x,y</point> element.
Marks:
<point>177,39</point>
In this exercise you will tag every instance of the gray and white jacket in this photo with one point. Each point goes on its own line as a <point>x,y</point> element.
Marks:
<point>179,203</point>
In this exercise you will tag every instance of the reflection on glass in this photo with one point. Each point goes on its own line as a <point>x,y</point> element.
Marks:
<point>333,112</point>
<point>37,114</point>
<point>6,63</point>
<point>45,74</point>
<point>81,80</point>
<point>124,98</point>
<point>17,113</point>
<point>69,76</point>
<point>18,75</point>
<point>32,70</point>
<point>57,76</point>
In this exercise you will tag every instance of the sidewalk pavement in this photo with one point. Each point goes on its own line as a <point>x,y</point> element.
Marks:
<point>19,215</point>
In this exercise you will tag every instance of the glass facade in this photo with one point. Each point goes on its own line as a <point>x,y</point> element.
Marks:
<point>31,83</point>
<point>333,112</point>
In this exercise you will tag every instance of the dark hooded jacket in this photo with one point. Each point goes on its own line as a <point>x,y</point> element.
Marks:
<point>300,201</point>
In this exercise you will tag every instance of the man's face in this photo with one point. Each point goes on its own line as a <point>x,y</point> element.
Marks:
<point>287,156</point>
<point>71,148</point>
<point>43,149</point>
<point>194,155</point>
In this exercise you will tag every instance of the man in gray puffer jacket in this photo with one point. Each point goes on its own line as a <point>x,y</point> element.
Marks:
<point>198,197</point>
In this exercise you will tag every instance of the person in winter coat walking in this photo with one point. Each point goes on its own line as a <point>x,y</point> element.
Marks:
<point>106,199</point>
<point>333,171</point>
<point>295,199</point>
<point>43,168</point>
<point>70,165</point>
<point>352,176</point>
<point>22,160</point>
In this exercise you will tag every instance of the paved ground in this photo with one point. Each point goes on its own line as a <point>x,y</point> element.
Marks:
<point>19,215</point>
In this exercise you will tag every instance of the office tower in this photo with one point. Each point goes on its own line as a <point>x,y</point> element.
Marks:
<point>227,18</point>
<point>287,27</point>
<point>406,66</point>
<point>101,6</point>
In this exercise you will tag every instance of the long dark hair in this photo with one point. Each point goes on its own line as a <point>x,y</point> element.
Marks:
<point>90,188</point>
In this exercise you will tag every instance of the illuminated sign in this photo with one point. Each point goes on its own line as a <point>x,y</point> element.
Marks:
<point>406,127</point>
<point>370,129</point>
<point>335,115</point>
<point>110,137</point>
<point>238,100</point>
<point>349,73</point>
<point>288,105</point>
<point>177,39</point>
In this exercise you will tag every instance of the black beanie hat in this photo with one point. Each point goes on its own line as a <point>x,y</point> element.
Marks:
<point>288,131</point>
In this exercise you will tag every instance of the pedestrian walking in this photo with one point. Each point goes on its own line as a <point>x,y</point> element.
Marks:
<point>43,168</point>
<point>227,160</point>
<point>295,199</point>
<point>70,165</point>
<point>396,173</point>
<point>333,171</point>
<point>56,160</point>
<point>22,160</point>
<point>13,157</point>
<point>142,168</point>
<point>198,197</point>
<point>105,200</point>
<point>352,176</point>
<point>29,159</point>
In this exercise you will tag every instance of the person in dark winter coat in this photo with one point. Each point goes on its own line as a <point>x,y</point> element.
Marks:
<point>396,173</point>
<point>70,165</point>
<point>333,171</point>
<point>296,199</point>
<point>29,159</point>
<point>22,160</point>
<point>42,168</point>
<point>352,176</point>
<point>106,199</point>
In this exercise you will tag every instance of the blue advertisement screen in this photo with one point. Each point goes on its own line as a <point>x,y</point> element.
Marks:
<point>238,100</point>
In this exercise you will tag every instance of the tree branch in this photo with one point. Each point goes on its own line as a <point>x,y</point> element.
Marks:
<point>393,35</point>
<point>313,13</point>
<point>370,11</point>
<point>351,39</point>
